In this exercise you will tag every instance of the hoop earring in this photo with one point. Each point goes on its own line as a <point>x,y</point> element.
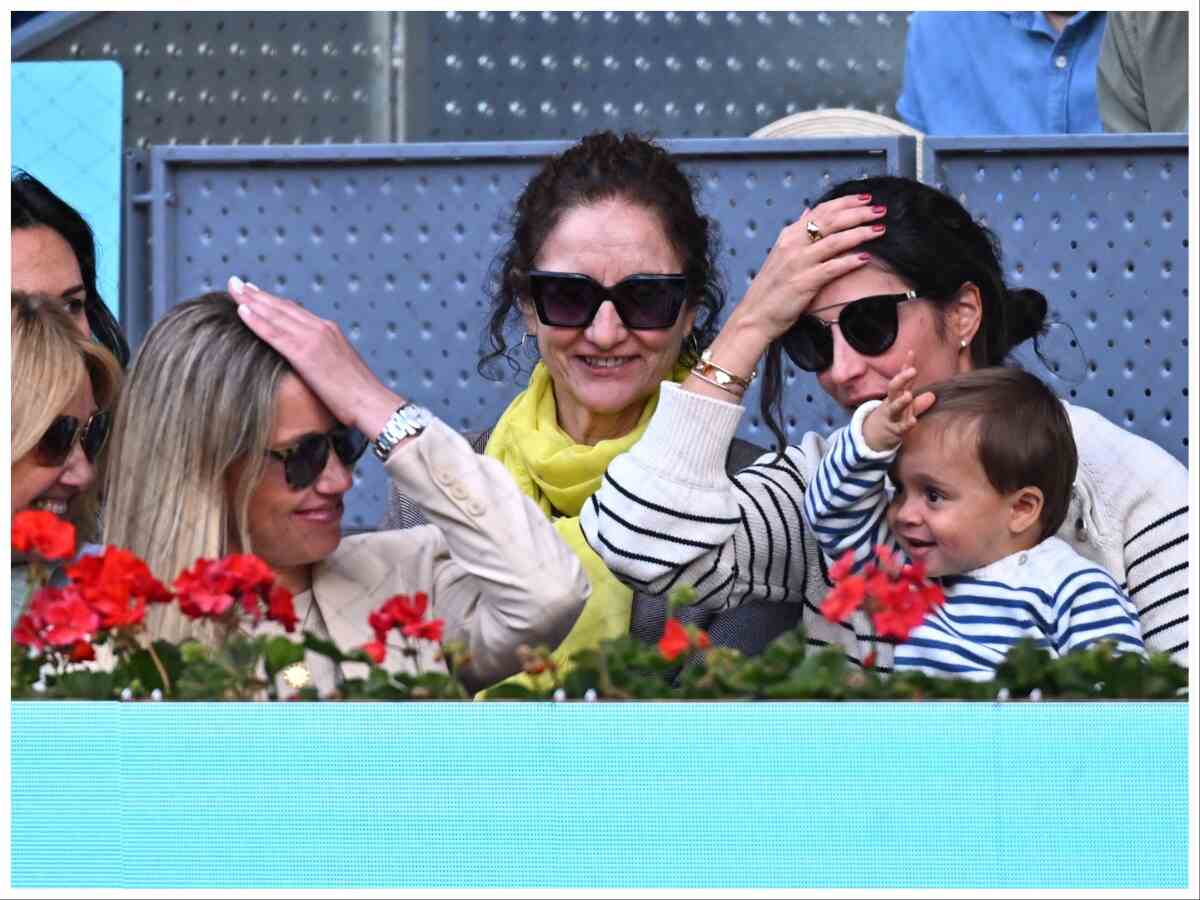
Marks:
<point>691,347</point>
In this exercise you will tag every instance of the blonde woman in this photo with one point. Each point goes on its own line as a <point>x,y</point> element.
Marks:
<point>63,385</point>
<point>239,436</point>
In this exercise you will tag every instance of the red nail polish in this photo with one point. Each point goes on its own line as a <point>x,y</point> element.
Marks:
<point>864,197</point>
<point>879,209</point>
<point>878,226</point>
<point>864,256</point>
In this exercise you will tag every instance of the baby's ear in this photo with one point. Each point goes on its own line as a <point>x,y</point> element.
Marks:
<point>1024,509</point>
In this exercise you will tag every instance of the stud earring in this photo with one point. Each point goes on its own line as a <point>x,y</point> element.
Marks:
<point>962,344</point>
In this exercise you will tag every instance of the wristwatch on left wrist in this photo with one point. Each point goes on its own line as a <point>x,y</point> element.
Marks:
<point>407,421</point>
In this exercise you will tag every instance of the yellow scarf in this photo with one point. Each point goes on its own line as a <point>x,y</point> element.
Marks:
<point>559,475</point>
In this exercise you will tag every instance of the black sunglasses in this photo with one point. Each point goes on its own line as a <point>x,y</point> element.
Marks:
<point>55,446</point>
<point>304,461</point>
<point>868,324</point>
<point>644,302</point>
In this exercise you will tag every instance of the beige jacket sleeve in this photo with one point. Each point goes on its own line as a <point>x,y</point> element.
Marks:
<point>500,576</point>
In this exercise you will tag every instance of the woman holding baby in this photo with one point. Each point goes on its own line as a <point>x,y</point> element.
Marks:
<point>879,272</point>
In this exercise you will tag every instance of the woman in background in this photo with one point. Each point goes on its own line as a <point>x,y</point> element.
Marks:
<point>611,278</point>
<point>54,253</point>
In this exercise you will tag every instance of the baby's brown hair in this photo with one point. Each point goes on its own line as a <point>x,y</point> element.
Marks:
<point>1022,431</point>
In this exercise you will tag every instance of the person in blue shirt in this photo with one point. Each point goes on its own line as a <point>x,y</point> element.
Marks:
<point>969,73</point>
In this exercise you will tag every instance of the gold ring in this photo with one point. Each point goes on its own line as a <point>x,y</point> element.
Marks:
<point>814,233</point>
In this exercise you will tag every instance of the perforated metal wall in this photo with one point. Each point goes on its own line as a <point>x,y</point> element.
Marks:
<point>394,242</point>
<point>236,77</point>
<point>346,77</point>
<point>522,75</point>
<point>1099,225</point>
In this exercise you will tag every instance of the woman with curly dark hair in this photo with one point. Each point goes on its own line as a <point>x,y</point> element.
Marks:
<point>611,275</point>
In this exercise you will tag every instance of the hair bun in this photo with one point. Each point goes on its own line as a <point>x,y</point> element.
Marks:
<point>1025,314</point>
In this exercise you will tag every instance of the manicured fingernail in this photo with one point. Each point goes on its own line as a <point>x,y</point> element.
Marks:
<point>864,197</point>
<point>253,286</point>
<point>878,226</point>
<point>879,209</point>
<point>865,257</point>
<point>236,285</point>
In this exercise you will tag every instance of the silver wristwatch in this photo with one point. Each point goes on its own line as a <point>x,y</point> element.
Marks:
<point>408,421</point>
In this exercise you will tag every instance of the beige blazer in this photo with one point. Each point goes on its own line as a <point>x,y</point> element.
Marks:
<point>492,564</point>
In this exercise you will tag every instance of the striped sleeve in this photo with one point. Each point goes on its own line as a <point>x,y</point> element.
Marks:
<point>846,504</point>
<point>666,514</point>
<point>1156,569</point>
<point>1136,525</point>
<point>1088,607</point>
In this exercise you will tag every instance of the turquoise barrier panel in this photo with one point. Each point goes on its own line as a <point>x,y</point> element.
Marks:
<point>1085,795</point>
<point>66,131</point>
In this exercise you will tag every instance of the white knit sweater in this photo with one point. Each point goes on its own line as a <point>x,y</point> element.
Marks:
<point>666,514</point>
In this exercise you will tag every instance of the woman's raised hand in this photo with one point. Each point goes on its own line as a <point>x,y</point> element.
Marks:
<point>885,426</point>
<point>808,255</point>
<point>320,354</point>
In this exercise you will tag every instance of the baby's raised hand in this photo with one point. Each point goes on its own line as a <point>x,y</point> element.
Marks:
<point>886,425</point>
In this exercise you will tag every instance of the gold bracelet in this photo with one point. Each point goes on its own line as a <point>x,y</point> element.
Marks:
<point>722,375</point>
<point>725,387</point>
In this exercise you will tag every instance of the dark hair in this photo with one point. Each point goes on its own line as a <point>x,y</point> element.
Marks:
<point>1023,434</point>
<point>604,166</point>
<point>934,245</point>
<point>33,205</point>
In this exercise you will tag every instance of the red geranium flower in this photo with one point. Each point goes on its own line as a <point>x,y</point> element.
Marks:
<point>846,596</point>
<point>674,640</point>
<point>898,597</point>
<point>210,587</point>
<point>842,567</point>
<point>28,630</point>
<point>201,604</point>
<point>281,609</point>
<point>41,532</point>
<point>117,613</point>
<point>377,650</point>
<point>405,610</point>
<point>677,639</point>
<point>428,631</point>
<point>82,651</point>
<point>381,623</point>
<point>118,585</point>
<point>67,616</point>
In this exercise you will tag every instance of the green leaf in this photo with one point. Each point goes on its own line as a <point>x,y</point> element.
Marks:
<point>87,685</point>
<point>281,653</point>
<point>242,652</point>
<point>205,680</point>
<point>507,690</point>
<point>684,595</point>
<point>330,649</point>
<point>139,666</point>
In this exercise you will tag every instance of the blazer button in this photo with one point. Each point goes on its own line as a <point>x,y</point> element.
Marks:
<point>443,476</point>
<point>458,492</point>
<point>476,508</point>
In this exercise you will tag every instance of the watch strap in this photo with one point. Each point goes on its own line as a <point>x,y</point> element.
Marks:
<point>407,421</point>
